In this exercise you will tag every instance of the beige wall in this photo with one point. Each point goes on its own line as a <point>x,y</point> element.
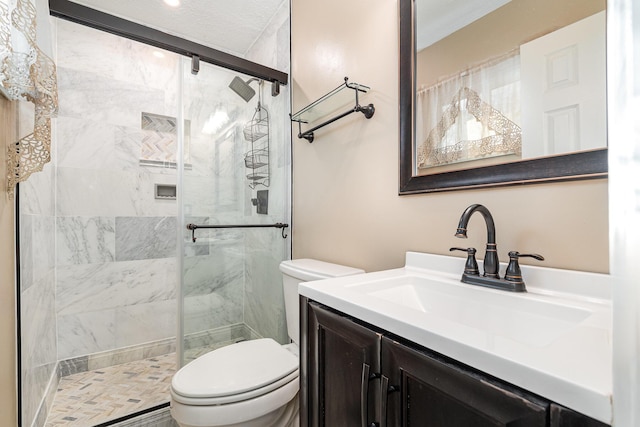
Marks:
<point>7,280</point>
<point>345,184</point>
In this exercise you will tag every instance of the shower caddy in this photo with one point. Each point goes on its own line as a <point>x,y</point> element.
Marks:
<point>256,159</point>
<point>329,103</point>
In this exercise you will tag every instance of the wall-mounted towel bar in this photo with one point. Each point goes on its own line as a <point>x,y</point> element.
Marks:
<point>333,100</point>
<point>194,227</point>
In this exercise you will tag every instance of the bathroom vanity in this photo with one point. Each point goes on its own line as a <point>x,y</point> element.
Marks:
<point>415,347</point>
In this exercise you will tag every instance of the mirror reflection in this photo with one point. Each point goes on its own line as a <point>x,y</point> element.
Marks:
<point>499,81</point>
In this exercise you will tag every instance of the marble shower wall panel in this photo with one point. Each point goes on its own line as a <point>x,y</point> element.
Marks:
<point>108,193</point>
<point>37,195</point>
<point>265,248</point>
<point>147,322</point>
<point>213,287</point>
<point>85,49</point>
<point>87,144</point>
<point>38,344</point>
<point>220,197</point>
<point>81,334</point>
<point>273,49</point>
<point>26,251</point>
<point>116,259</point>
<point>85,240</point>
<point>145,238</point>
<point>214,282</point>
<point>97,287</point>
<point>37,292</point>
<point>214,185</point>
<point>264,300</point>
<point>101,99</point>
<point>105,306</point>
<point>37,238</point>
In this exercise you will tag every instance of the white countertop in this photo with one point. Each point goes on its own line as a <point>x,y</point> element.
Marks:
<point>554,340</point>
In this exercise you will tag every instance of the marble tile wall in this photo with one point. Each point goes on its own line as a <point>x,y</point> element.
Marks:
<point>263,296</point>
<point>213,193</point>
<point>115,242</point>
<point>37,293</point>
<point>265,249</point>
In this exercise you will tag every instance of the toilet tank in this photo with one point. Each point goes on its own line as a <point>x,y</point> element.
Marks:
<point>305,270</point>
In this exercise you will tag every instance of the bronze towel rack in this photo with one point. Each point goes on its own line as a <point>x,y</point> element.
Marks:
<point>194,227</point>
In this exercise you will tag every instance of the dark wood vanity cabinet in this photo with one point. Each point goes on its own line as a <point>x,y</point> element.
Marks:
<point>355,375</point>
<point>344,355</point>
<point>563,417</point>
<point>424,390</point>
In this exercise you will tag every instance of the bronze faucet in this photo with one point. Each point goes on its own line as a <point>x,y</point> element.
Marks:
<point>491,263</point>
<point>513,280</point>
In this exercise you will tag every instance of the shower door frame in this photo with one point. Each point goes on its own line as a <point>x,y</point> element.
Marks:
<point>83,15</point>
<point>70,11</point>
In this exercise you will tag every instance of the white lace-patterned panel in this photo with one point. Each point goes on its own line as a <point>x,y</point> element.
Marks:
<point>27,73</point>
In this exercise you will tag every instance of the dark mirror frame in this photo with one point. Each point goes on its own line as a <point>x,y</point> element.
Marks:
<point>580,165</point>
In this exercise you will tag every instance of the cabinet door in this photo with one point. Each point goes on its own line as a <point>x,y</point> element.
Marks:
<point>343,359</point>
<point>426,391</point>
<point>563,417</point>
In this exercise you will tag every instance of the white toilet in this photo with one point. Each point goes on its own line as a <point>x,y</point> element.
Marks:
<point>250,383</point>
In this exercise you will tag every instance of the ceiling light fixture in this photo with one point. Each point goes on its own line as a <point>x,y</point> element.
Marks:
<point>172,3</point>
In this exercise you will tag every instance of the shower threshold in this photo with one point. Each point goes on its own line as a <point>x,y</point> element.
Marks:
<point>97,397</point>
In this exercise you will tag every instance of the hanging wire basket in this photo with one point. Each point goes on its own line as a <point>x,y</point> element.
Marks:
<point>258,127</point>
<point>256,159</point>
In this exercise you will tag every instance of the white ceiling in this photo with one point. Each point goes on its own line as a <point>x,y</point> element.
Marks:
<point>436,19</point>
<point>233,25</point>
<point>228,25</point>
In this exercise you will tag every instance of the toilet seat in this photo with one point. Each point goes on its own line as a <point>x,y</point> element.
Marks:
<point>251,412</point>
<point>233,398</point>
<point>235,373</point>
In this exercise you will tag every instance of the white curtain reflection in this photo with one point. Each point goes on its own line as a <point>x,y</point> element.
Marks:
<point>471,115</point>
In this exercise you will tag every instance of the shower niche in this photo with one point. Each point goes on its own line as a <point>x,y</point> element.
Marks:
<point>256,158</point>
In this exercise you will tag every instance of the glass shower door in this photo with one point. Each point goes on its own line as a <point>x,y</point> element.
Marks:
<point>235,171</point>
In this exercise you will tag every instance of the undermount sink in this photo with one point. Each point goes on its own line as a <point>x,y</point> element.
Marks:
<point>523,318</point>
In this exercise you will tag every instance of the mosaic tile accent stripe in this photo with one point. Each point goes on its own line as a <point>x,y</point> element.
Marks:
<point>159,137</point>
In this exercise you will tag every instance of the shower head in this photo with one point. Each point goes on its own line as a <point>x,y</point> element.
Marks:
<point>242,88</point>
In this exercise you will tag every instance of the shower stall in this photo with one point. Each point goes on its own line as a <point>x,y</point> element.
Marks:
<point>112,282</point>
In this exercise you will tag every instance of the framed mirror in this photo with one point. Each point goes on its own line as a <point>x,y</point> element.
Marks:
<point>501,92</point>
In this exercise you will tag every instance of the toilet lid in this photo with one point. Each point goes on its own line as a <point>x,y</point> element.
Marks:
<point>235,369</point>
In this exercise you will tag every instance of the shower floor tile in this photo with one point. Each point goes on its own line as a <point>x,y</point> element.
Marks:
<point>94,397</point>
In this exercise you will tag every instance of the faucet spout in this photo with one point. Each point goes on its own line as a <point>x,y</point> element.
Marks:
<point>491,263</point>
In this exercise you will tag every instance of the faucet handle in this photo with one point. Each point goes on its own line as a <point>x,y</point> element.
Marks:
<point>471,266</point>
<point>513,273</point>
